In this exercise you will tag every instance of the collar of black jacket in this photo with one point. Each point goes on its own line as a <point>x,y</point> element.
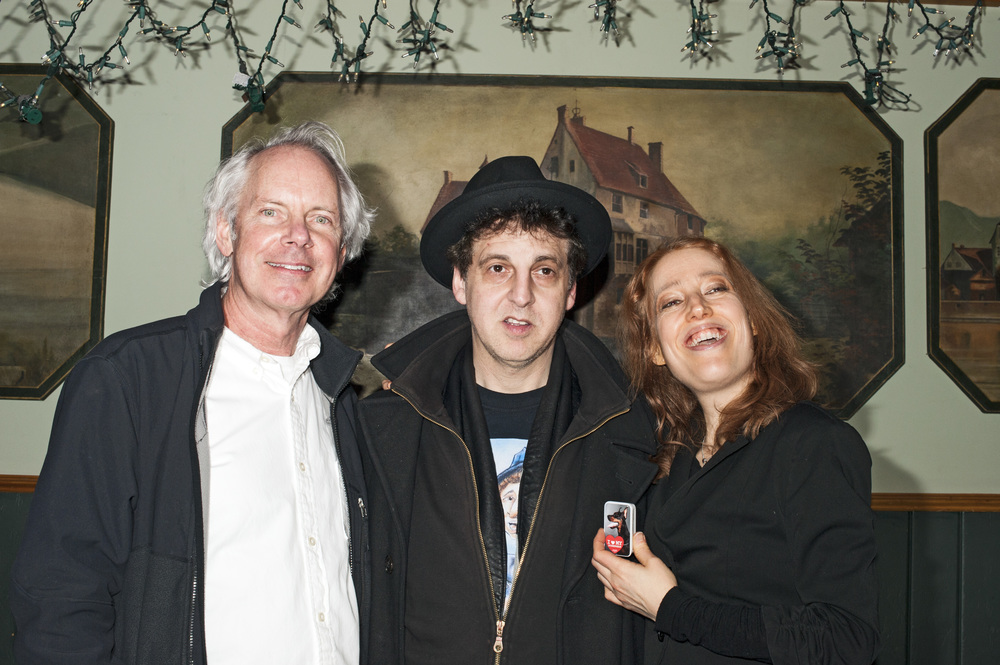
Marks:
<point>419,363</point>
<point>332,368</point>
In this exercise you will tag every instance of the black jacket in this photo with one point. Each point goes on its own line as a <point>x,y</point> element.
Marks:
<point>779,526</point>
<point>423,489</point>
<point>110,568</point>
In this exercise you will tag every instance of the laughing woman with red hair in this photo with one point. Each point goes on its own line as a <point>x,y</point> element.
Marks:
<point>759,539</point>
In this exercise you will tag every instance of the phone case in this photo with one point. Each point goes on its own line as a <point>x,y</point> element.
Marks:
<point>619,525</point>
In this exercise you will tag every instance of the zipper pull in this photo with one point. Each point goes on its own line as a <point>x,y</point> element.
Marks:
<point>361,505</point>
<point>498,645</point>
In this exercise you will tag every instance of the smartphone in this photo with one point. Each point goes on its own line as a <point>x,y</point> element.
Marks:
<point>619,525</point>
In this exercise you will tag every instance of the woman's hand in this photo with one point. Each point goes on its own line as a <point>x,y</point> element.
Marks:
<point>639,587</point>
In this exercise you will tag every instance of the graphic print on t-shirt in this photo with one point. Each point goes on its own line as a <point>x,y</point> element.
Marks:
<point>508,454</point>
<point>509,417</point>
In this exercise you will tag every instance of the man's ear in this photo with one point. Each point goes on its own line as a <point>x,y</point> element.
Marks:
<point>223,235</point>
<point>458,286</point>
<point>571,297</point>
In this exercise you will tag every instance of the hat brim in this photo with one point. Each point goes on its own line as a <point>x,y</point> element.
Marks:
<point>447,227</point>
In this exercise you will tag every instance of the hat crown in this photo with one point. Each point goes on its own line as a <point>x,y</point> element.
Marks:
<point>505,170</point>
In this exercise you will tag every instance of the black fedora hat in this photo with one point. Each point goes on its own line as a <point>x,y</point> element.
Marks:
<point>503,182</point>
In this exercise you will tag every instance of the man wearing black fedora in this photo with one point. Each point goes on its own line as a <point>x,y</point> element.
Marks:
<point>507,378</point>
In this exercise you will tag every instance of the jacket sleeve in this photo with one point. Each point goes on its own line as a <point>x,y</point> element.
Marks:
<point>69,568</point>
<point>729,629</point>
<point>822,474</point>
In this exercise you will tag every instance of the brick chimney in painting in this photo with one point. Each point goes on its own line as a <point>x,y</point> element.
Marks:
<point>656,155</point>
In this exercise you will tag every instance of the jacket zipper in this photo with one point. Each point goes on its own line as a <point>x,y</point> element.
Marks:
<point>502,619</point>
<point>194,600</point>
<point>498,645</point>
<point>531,529</point>
<point>347,501</point>
<point>343,483</point>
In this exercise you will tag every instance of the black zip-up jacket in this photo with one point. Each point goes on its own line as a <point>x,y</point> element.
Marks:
<point>111,566</point>
<point>776,531</point>
<point>433,591</point>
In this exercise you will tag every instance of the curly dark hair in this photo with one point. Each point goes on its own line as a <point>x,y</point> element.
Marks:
<point>528,216</point>
<point>781,376</point>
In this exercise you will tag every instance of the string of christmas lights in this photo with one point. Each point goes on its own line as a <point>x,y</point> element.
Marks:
<point>701,31</point>
<point>182,39</point>
<point>609,22</point>
<point>877,91</point>
<point>782,46</point>
<point>952,39</point>
<point>420,37</point>
<point>254,84</point>
<point>524,21</point>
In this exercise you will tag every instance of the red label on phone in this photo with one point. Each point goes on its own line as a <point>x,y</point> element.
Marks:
<point>614,543</point>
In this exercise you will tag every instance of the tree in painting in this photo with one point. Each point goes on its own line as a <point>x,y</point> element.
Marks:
<point>825,274</point>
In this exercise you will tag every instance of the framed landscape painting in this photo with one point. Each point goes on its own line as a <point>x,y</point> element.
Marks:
<point>963,243</point>
<point>55,183</point>
<point>801,180</point>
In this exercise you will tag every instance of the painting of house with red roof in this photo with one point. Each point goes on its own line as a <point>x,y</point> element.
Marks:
<point>969,308</point>
<point>972,273</point>
<point>815,213</point>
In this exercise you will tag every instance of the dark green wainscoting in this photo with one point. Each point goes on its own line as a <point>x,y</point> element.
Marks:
<point>939,583</point>
<point>938,566</point>
<point>13,514</point>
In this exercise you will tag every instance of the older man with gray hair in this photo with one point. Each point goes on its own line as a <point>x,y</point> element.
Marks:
<point>202,496</point>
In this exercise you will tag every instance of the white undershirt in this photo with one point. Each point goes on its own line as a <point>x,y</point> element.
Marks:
<point>278,583</point>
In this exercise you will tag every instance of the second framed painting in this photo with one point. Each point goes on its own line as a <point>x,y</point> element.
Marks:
<point>963,243</point>
<point>802,181</point>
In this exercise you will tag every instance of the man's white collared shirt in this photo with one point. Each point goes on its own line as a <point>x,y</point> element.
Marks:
<point>278,583</point>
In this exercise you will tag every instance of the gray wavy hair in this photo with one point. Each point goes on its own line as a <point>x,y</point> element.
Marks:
<point>225,191</point>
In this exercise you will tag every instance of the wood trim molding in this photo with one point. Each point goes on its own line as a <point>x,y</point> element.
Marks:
<point>950,503</point>
<point>18,484</point>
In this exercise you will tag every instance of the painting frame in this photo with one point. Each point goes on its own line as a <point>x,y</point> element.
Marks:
<point>73,129</point>
<point>963,306</point>
<point>520,94</point>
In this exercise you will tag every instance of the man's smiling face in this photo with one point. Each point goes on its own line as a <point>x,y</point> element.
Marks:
<point>288,247</point>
